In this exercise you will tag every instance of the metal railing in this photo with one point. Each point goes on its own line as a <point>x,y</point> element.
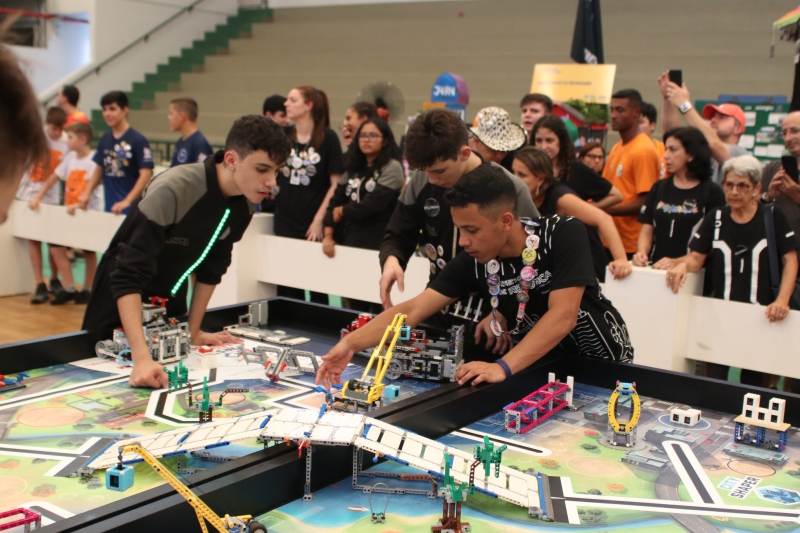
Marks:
<point>95,69</point>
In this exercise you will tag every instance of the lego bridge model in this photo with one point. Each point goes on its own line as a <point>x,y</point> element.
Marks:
<point>307,428</point>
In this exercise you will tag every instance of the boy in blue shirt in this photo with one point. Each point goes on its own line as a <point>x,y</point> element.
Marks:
<point>123,158</point>
<point>192,147</point>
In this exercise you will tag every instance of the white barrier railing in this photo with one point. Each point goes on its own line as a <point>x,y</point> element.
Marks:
<point>668,331</point>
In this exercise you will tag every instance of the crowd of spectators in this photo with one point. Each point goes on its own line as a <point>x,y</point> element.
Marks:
<point>688,198</point>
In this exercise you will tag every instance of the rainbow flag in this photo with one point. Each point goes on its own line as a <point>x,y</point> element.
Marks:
<point>788,19</point>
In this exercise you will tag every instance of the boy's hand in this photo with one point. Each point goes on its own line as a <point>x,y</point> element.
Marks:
<point>34,204</point>
<point>71,210</point>
<point>202,338</point>
<point>333,364</point>
<point>83,201</point>
<point>148,373</point>
<point>120,206</point>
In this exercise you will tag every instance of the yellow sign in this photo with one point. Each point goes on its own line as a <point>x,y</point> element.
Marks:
<point>590,83</point>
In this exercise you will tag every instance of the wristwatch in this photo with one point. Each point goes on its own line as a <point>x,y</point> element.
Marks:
<point>765,198</point>
<point>685,107</point>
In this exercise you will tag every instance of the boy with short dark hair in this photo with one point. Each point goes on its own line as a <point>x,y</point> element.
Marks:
<point>75,169</point>
<point>29,191</point>
<point>437,145</point>
<point>186,222</point>
<point>647,123</point>
<point>123,157</point>
<point>67,100</point>
<point>533,107</point>
<point>275,108</point>
<point>192,147</point>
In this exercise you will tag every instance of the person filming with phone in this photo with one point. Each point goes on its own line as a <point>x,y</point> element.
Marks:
<point>779,181</point>
<point>726,121</point>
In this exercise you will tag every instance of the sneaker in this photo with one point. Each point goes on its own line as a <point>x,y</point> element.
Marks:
<point>82,297</point>
<point>55,286</point>
<point>40,295</point>
<point>63,297</point>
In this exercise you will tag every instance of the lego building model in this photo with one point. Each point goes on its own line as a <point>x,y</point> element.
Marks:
<point>535,408</point>
<point>420,357</point>
<point>623,432</point>
<point>167,339</point>
<point>762,420</point>
<point>283,358</point>
<point>8,384</point>
<point>30,521</point>
<point>685,417</point>
<point>249,327</point>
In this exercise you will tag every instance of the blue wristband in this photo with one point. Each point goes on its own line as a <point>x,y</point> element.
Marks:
<point>505,366</point>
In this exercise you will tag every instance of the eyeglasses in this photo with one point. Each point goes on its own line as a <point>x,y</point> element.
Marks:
<point>741,187</point>
<point>369,135</point>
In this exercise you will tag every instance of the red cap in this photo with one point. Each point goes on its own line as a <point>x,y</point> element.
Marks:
<point>731,110</point>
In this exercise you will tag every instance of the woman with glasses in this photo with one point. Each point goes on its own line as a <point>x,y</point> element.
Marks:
<point>367,192</point>
<point>593,155</point>
<point>675,206</point>
<point>736,237</point>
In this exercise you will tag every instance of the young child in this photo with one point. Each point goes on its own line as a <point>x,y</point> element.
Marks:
<point>30,187</point>
<point>76,169</point>
<point>123,157</point>
<point>192,147</point>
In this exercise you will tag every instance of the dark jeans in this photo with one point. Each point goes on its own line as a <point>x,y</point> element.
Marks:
<point>749,377</point>
<point>300,294</point>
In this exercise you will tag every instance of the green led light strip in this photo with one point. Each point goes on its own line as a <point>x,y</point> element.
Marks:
<point>204,254</point>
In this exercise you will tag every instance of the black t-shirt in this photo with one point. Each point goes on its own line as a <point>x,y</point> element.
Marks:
<point>551,196</point>
<point>550,207</point>
<point>587,184</point>
<point>675,214</point>
<point>299,193</point>
<point>740,268</point>
<point>563,261</point>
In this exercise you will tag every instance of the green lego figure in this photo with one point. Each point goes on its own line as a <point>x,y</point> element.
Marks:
<point>488,456</point>
<point>178,377</point>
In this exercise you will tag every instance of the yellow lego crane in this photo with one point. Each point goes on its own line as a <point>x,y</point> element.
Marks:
<point>226,524</point>
<point>367,390</point>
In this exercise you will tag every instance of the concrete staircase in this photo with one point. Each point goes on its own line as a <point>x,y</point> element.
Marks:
<point>192,59</point>
<point>721,45</point>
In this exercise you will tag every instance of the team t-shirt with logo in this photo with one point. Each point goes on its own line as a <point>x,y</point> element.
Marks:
<point>33,181</point>
<point>740,267</point>
<point>121,159</point>
<point>563,261</point>
<point>632,168</point>
<point>76,172</point>
<point>192,149</point>
<point>675,214</point>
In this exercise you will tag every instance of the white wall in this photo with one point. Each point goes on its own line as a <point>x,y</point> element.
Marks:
<point>68,49</point>
<point>116,23</point>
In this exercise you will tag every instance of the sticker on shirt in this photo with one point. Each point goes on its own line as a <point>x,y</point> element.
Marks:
<point>432,207</point>
<point>117,159</point>
<point>201,157</point>
<point>147,156</point>
<point>183,156</point>
<point>431,230</point>
<point>619,170</point>
<point>370,186</point>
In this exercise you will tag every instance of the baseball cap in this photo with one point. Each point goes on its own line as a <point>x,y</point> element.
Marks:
<point>731,110</point>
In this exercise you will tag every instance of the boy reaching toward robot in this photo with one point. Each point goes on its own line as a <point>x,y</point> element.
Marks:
<point>186,223</point>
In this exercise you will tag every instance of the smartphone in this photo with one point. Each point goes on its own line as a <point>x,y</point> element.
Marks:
<point>789,164</point>
<point>676,77</point>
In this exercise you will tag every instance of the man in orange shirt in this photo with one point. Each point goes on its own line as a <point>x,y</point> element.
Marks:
<point>632,166</point>
<point>67,100</point>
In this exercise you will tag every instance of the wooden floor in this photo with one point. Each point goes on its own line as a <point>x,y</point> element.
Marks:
<point>20,320</point>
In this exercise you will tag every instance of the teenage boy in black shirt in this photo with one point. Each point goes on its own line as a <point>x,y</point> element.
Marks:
<point>437,145</point>
<point>186,222</point>
<point>559,296</point>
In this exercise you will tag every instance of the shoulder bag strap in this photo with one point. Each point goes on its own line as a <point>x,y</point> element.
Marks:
<point>772,248</point>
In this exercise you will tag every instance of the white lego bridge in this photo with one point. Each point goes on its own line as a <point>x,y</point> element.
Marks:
<point>333,428</point>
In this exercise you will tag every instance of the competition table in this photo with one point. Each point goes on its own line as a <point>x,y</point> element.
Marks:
<point>267,479</point>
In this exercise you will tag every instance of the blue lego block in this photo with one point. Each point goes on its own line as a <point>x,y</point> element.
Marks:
<point>405,333</point>
<point>337,386</point>
<point>119,478</point>
<point>391,392</point>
